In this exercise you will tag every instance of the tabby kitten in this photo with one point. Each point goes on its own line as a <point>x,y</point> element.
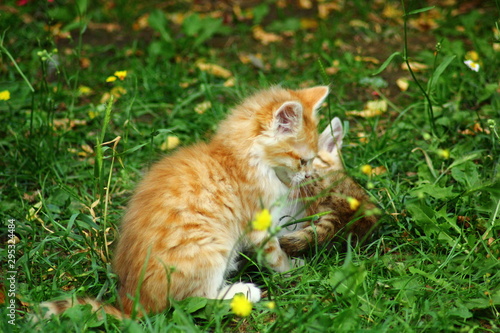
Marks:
<point>190,215</point>
<point>331,187</point>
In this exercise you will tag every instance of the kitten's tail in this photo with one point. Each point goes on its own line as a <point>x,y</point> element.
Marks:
<point>58,307</point>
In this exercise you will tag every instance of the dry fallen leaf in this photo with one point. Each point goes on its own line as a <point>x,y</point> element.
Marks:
<point>215,70</point>
<point>363,137</point>
<point>88,149</point>
<point>202,107</point>
<point>426,21</point>
<point>231,82</point>
<point>372,109</point>
<point>85,63</point>
<point>334,68</point>
<point>305,4</point>
<point>379,170</point>
<point>109,27</point>
<point>141,23</point>
<point>254,59</point>
<point>402,84</point>
<point>359,24</point>
<point>324,8</point>
<point>476,128</point>
<point>281,64</point>
<point>66,123</point>
<point>367,59</point>
<point>392,12</point>
<point>415,66</point>
<point>265,37</point>
<point>55,30</point>
<point>118,91</point>
<point>308,23</point>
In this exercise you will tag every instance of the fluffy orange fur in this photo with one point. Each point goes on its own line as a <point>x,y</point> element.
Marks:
<point>190,215</point>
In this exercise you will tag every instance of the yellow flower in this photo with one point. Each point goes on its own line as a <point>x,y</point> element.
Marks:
<point>92,114</point>
<point>121,74</point>
<point>353,203</point>
<point>4,95</point>
<point>472,55</point>
<point>171,142</point>
<point>241,306</point>
<point>111,79</point>
<point>444,153</point>
<point>84,90</point>
<point>262,220</point>
<point>271,305</point>
<point>366,169</point>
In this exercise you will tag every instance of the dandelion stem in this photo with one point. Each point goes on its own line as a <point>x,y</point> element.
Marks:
<point>430,111</point>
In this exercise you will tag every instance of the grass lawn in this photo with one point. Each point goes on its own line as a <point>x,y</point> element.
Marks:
<point>93,92</point>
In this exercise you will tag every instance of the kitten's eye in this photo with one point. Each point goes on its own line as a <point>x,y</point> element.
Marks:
<point>304,162</point>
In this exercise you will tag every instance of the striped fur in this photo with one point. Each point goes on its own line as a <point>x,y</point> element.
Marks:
<point>331,186</point>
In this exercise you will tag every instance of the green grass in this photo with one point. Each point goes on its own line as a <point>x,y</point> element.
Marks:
<point>433,263</point>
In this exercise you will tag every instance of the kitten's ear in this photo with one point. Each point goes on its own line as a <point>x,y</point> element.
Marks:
<point>288,118</point>
<point>314,96</point>
<point>331,138</point>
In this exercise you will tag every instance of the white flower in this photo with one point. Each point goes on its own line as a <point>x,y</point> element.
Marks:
<point>472,65</point>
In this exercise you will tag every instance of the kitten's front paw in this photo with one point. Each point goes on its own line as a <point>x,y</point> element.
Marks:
<point>250,290</point>
<point>281,263</point>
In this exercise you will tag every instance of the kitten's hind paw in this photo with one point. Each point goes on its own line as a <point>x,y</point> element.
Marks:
<point>250,290</point>
<point>296,263</point>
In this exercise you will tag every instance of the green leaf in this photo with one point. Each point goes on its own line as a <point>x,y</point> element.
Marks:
<point>289,24</point>
<point>483,303</point>
<point>158,22</point>
<point>434,191</point>
<point>203,28</point>
<point>347,279</point>
<point>408,287</point>
<point>211,27</point>
<point>259,12</point>
<point>386,63</point>
<point>451,220</point>
<point>347,320</point>
<point>82,6</point>
<point>422,214</point>
<point>459,310</point>
<point>439,71</point>
<point>466,174</point>
<point>421,10</point>
<point>431,277</point>
<point>193,304</point>
<point>376,82</point>
<point>465,158</point>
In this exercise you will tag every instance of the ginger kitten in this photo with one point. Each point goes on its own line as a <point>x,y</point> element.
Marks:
<point>331,187</point>
<point>190,215</point>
